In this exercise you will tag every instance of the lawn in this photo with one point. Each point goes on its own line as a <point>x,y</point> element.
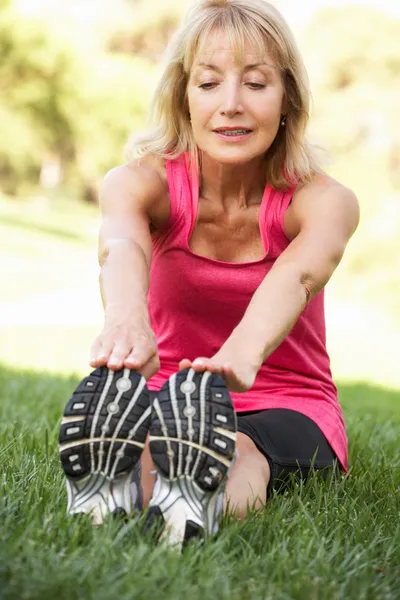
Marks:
<point>334,540</point>
<point>323,541</point>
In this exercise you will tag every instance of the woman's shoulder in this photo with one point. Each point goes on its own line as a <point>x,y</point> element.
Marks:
<point>319,184</point>
<point>149,171</point>
<point>318,196</point>
<point>147,175</point>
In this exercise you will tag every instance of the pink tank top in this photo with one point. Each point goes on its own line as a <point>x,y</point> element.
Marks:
<point>196,302</point>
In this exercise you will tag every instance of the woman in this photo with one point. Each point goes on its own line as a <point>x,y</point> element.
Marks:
<point>216,243</point>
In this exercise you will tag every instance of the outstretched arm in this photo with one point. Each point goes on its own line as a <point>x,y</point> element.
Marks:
<point>127,196</point>
<point>324,215</point>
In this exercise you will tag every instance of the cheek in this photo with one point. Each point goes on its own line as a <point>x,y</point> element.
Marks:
<point>200,110</point>
<point>268,114</point>
<point>269,106</point>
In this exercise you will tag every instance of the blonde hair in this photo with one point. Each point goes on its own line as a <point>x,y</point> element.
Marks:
<point>290,158</point>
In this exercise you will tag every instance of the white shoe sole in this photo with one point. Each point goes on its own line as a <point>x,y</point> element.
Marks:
<point>192,443</point>
<point>102,436</point>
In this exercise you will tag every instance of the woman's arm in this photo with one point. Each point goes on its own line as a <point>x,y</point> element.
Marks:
<point>127,197</point>
<point>324,217</point>
<point>326,223</point>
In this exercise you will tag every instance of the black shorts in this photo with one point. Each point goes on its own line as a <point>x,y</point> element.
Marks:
<point>291,443</point>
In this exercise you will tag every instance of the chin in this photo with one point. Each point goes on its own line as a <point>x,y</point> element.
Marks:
<point>233,157</point>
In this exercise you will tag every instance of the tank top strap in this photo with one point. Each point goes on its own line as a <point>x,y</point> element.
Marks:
<point>181,202</point>
<point>183,184</point>
<point>272,222</point>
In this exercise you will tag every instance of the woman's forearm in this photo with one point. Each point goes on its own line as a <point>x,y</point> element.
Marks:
<point>272,312</point>
<point>124,279</point>
<point>127,339</point>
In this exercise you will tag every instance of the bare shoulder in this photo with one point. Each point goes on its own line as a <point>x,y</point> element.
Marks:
<point>150,170</point>
<point>140,184</point>
<point>322,198</point>
<point>322,185</point>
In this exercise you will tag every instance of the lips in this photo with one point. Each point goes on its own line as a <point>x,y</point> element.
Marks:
<point>233,134</point>
<point>223,129</point>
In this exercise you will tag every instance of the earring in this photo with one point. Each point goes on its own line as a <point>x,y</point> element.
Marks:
<point>283,122</point>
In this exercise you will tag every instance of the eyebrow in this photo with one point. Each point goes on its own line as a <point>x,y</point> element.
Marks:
<point>247,67</point>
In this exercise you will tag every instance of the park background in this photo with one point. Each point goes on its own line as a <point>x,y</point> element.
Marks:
<point>75,80</point>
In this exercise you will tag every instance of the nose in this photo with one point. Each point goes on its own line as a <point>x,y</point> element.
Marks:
<point>231,103</point>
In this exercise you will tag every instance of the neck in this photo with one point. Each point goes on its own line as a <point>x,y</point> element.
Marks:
<point>232,186</point>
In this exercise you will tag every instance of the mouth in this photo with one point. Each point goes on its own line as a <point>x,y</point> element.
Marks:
<point>233,132</point>
<point>233,135</point>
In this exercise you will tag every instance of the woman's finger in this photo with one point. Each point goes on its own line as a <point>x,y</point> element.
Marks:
<point>94,352</point>
<point>151,367</point>
<point>103,354</point>
<point>140,355</point>
<point>185,363</point>
<point>201,364</point>
<point>214,368</point>
<point>118,356</point>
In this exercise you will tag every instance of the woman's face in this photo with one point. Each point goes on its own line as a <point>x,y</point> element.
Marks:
<point>245,99</point>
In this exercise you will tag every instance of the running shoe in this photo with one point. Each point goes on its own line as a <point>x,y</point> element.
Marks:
<point>102,436</point>
<point>192,443</point>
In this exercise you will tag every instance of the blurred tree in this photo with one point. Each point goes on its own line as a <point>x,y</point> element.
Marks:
<point>151,26</point>
<point>37,92</point>
<point>114,103</point>
<point>354,61</point>
<point>63,113</point>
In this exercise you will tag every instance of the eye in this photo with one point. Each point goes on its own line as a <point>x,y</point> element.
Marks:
<point>207,86</point>
<point>255,86</point>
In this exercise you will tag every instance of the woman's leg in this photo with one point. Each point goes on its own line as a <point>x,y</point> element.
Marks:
<point>248,481</point>
<point>148,474</point>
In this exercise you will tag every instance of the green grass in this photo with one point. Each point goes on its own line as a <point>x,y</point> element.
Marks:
<point>322,540</point>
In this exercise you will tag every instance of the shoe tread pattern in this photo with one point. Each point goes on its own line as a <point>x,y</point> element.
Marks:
<point>83,405</point>
<point>208,464</point>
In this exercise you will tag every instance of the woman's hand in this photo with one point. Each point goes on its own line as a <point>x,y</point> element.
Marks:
<point>238,372</point>
<point>126,342</point>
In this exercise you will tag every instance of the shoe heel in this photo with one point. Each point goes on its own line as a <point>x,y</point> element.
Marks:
<point>99,496</point>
